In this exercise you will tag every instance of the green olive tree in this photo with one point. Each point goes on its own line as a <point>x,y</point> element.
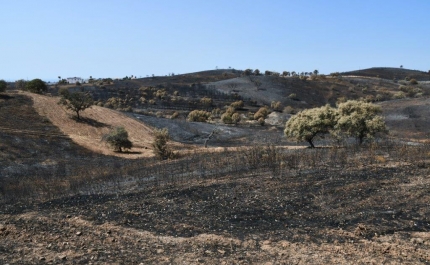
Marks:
<point>76,101</point>
<point>360,120</point>
<point>118,139</point>
<point>310,123</point>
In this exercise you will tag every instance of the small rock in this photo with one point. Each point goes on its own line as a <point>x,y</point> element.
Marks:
<point>2,227</point>
<point>159,251</point>
<point>78,233</point>
<point>222,252</point>
<point>63,257</point>
<point>68,216</point>
<point>42,258</point>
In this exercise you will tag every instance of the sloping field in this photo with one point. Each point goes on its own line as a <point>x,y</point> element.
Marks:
<point>96,122</point>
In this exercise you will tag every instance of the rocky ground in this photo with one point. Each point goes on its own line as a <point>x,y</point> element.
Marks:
<point>375,215</point>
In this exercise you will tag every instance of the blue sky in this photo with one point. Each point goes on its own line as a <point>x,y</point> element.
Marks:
<point>112,38</point>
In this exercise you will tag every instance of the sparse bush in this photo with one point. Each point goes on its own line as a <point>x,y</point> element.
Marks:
<point>379,97</point>
<point>206,101</point>
<point>20,84</point>
<point>174,115</point>
<point>261,121</point>
<point>293,96</point>
<point>247,72</point>
<point>151,102</point>
<point>410,91</point>
<point>369,98</point>
<point>3,86</point>
<point>235,118</point>
<point>413,81</point>
<point>285,73</point>
<point>36,86</point>
<point>160,94</point>
<point>399,95</point>
<point>161,150</point>
<point>276,105</point>
<point>226,118</point>
<point>237,104</point>
<point>115,103</point>
<point>118,139</point>
<point>289,110</point>
<point>261,113</point>
<point>198,115</point>
<point>216,113</point>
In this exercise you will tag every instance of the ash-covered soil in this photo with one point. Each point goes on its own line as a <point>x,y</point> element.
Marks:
<point>371,215</point>
<point>225,135</point>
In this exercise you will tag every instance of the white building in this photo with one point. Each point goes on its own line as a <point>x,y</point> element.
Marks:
<point>73,80</point>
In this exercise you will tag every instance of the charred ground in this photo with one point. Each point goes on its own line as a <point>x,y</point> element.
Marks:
<point>251,199</point>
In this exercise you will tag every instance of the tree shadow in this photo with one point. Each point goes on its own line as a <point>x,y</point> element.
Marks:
<point>5,97</point>
<point>91,122</point>
<point>128,152</point>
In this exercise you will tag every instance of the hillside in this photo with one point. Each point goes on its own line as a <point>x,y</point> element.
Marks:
<point>94,124</point>
<point>251,197</point>
<point>391,73</point>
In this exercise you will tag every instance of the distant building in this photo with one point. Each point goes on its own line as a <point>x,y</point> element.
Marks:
<point>73,80</point>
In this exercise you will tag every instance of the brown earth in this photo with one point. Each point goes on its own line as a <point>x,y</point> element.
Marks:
<point>94,124</point>
<point>83,204</point>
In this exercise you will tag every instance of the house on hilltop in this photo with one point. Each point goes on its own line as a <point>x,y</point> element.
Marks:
<point>73,80</point>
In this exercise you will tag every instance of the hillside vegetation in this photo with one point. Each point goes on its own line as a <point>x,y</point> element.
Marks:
<point>250,197</point>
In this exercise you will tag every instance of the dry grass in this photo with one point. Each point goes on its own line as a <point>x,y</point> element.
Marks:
<point>96,122</point>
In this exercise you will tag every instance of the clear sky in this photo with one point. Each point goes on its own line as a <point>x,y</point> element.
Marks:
<point>113,38</point>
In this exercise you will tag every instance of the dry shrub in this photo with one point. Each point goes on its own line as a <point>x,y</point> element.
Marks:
<point>199,116</point>
<point>261,113</point>
<point>289,110</point>
<point>276,105</point>
<point>174,115</point>
<point>237,104</point>
<point>161,150</point>
<point>261,121</point>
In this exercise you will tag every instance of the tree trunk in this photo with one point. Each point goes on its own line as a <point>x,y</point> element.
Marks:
<point>311,143</point>
<point>77,114</point>
<point>360,139</point>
